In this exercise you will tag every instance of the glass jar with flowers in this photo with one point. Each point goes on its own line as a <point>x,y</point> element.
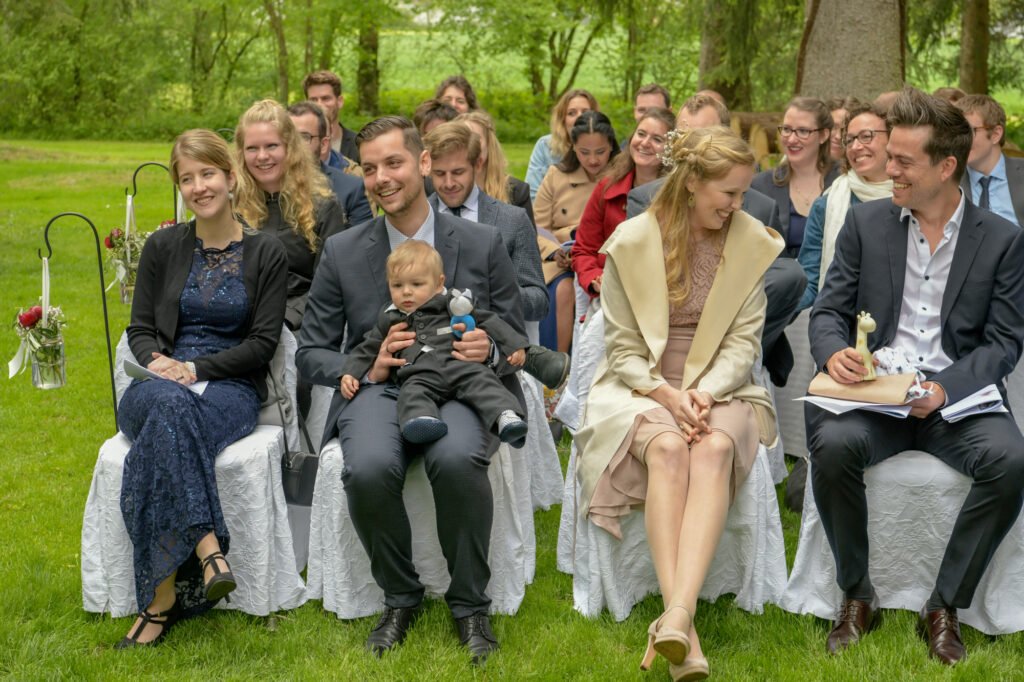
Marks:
<point>42,342</point>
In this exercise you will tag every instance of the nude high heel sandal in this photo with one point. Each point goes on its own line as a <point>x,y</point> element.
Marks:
<point>671,643</point>
<point>692,669</point>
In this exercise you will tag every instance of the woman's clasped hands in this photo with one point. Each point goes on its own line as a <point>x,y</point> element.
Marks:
<point>691,409</point>
<point>172,369</point>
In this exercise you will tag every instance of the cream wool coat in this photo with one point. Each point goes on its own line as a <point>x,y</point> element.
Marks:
<point>634,298</point>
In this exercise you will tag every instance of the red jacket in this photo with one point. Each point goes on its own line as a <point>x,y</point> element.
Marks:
<point>605,209</point>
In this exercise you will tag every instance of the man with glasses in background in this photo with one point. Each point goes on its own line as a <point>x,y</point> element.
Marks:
<point>993,180</point>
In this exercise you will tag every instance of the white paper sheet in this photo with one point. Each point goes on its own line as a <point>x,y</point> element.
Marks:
<point>984,400</point>
<point>838,406</point>
<point>137,371</point>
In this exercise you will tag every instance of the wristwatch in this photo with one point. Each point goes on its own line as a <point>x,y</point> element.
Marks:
<point>191,367</point>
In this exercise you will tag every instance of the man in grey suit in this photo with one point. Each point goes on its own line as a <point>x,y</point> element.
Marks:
<point>785,280</point>
<point>942,280</point>
<point>993,180</point>
<point>454,166</point>
<point>347,293</point>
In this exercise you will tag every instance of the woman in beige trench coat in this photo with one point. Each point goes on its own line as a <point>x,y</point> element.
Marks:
<point>674,417</point>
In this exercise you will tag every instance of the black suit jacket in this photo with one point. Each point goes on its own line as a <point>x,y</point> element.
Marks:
<point>351,194</point>
<point>520,237</point>
<point>982,312</point>
<point>756,204</point>
<point>764,184</point>
<point>1014,177</point>
<point>350,288</point>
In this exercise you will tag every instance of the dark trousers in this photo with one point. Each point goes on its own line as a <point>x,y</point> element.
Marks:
<point>988,448</point>
<point>784,284</point>
<point>376,461</point>
<point>428,383</point>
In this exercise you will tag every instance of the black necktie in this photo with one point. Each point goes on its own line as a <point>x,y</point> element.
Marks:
<point>457,210</point>
<point>983,199</point>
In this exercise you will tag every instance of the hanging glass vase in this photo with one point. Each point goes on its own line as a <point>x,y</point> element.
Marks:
<point>48,364</point>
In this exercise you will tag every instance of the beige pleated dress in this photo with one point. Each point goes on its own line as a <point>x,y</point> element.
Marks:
<point>623,485</point>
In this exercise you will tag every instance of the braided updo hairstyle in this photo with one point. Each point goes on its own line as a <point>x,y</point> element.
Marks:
<point>698,155</point>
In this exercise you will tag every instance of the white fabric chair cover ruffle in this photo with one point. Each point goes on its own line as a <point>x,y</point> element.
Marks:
<point>339,568</point>
<point>791,413</point>
<point>750,561</point>
<point>262,555</point>
<point>913,501</point>
<point>540,452</point>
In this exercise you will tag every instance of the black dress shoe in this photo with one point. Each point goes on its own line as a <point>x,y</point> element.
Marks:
<point>476,635</point>
<point>855,618</point>
<point>549,367</point>
<point>941,629</point>
<point>391,629</point>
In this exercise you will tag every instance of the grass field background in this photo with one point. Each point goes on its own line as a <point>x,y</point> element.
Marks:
<point>50,442</point>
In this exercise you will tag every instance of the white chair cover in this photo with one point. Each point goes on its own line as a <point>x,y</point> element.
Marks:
<point>262,555</point>
<point>540,452</point>
<point>750,561</point>
<point>791,412</point>
<point>339,569</point>
<point>913,501</point>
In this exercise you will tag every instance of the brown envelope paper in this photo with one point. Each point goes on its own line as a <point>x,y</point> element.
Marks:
<point>887,390</point>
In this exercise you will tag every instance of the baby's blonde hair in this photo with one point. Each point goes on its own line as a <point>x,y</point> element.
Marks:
<point>414,253</point>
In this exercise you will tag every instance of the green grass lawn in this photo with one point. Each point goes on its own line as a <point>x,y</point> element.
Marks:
<point>51,439</point>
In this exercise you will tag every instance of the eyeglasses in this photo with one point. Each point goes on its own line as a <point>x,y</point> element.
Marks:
<point>307,138</point>
<point>864,137</point>
<point>801,133</point>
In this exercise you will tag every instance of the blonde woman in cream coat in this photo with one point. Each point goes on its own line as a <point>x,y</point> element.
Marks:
<point>674,417</point>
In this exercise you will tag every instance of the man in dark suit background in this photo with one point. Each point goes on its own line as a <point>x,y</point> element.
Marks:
<point>455,162</point>
<point>993,180</point>
<point>785,280</point>
<point>942,280</point>
<point>310,121</point>
<point>347,293</point>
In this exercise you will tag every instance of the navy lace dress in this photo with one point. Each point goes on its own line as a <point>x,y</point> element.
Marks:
<point>169,494</point>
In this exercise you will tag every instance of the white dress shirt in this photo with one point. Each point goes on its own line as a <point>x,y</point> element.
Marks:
<point>470,208</point>
<point>919,330</point>
<point>424,234</point>
<point>999,200</point>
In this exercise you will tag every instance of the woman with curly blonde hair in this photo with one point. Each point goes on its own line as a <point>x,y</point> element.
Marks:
<point>495,180</point>
<point>674,417</point>
<point>281,191</point>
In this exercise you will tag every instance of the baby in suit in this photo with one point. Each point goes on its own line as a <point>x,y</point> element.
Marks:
<point>430,374</point>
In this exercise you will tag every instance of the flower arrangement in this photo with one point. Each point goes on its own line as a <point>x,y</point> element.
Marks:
<point>41,341</point>
<point>123,252</point>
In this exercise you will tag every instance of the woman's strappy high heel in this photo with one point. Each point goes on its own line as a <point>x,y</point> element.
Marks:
<point>671,643</point>
<point>166,618</point>
<point>223,582</point>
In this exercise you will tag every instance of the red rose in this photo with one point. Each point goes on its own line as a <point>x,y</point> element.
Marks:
<point>106,241</point>
<point>28,319</point>
<point>167,223</point>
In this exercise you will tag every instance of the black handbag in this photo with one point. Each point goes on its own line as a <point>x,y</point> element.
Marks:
<point>298,468</point>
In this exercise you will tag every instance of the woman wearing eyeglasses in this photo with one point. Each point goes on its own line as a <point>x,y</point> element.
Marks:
<point>864,138</point>
<point>281,191</point>
<point>806,171</point>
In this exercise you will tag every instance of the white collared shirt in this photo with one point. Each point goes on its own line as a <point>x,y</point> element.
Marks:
<point>919,330</point>
<point>470,208</point>
<point>424,234</point>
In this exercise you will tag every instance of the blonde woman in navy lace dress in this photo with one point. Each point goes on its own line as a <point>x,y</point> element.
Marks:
<point>209,305</point>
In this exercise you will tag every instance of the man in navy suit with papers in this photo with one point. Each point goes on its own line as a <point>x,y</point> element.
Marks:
<point>942,279</point>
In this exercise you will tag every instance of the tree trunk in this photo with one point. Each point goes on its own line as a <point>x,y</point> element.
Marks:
<point>836,60</point>
<point>727,49</point>
<point>974,47</point>
<point>368,71</point>
<point>277,26</point>
<point>307,61</point>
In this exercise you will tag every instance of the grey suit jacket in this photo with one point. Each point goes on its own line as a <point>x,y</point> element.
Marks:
<point>520,237</point>
<point>1014,177</point>
<point>982,312</point>
<point>756,204</point>
<point>350,288</point>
